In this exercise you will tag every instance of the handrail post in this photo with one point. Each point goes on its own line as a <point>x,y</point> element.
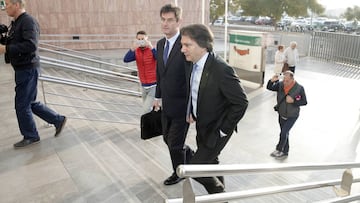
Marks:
<point>188,193</point>
<point>346,182</point>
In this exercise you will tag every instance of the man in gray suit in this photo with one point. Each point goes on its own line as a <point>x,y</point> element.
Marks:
<point>171,88</point>
<point>217,100</point>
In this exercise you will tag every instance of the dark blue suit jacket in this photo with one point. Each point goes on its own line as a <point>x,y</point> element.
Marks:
<point>171,82</point>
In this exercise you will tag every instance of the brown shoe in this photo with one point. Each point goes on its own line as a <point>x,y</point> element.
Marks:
<point>60,127</point>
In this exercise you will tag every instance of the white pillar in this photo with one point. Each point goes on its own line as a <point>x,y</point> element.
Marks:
<point>225,32</point>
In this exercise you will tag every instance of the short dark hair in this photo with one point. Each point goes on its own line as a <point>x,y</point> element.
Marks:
<point>21,2</point>
<point>170,8</point>
<point>201,34</point>
<point>141,32</point>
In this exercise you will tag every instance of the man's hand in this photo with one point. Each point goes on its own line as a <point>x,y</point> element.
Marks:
<point>289,99</point>
<point>2,49</point>
<point>148,44</point>
<point>135,45</point>
<point>274,78</point>
<point>190,119</point>
<point>157,104</point>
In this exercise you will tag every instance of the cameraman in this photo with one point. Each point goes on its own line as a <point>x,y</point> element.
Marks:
<point>21,51</point>
<point>145,56</point>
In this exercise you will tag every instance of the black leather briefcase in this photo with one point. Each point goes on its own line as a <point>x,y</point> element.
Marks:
<point>150,124</point>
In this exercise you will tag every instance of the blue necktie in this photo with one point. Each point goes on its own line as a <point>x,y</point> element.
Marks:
<point>166,51</point>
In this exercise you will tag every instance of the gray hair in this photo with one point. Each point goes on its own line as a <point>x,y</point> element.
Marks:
<point>293,43</point>
<point>289,73</point>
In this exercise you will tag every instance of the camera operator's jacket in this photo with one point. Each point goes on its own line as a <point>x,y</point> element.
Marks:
<point>146,64</point>
<point>22,42</point>
<point>297,92</point>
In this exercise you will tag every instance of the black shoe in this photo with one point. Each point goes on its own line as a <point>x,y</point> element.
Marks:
<point>60,127</point>
<point>173,179</point>
<point>215,189</point>
<point>281,156</point>
<point>275,153</point>
<point>221,179</point>
<point>26,142</point>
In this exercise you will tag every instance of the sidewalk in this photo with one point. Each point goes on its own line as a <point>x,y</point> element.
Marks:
<point>107,162</point>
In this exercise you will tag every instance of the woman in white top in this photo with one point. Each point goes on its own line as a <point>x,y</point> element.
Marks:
<point>279,60</point>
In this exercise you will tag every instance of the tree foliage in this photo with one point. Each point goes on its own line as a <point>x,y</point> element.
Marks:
<point>271,8</point>
<point>217,8</point>
<point>275,8</point>
<point>352,13</point>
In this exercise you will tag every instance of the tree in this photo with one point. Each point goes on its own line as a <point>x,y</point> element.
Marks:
<point>352,13</point>
<point>275,8</point>
<point>217,8</point>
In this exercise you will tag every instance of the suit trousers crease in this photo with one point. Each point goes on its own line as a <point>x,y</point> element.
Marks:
<point>174,131</point>
<point>205,155</point>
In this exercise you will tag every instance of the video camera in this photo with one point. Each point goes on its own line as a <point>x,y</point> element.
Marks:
<point>3,31</point>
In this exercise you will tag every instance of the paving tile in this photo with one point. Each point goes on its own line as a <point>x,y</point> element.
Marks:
<point>106,161</point>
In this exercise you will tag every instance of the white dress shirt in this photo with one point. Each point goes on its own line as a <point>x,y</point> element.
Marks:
<point>172,41</point>
<point>195,81</point>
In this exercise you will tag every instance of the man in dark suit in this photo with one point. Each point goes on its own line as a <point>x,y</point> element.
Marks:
<point>217,100</point>
<point>171,88</point>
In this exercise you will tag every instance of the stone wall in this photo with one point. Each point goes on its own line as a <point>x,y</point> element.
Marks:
<point>79,21</point>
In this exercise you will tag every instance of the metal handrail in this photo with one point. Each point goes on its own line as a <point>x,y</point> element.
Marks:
<point>89,100</point>
<point>188,171</point>
<point>95,109</point>
<point>69,50</point>
<point>87,69</point>
<point>103,88</point>
<point>90,70</point>
<point>233,169</point>
<point>86,58</point>
<point>221,197</point>
<point>88,85</point>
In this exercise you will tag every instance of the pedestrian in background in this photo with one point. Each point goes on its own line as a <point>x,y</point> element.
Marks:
<point>21,50</point>
<point>144,54</point>
<point>279,60</point>
<point>290,96</point>
<point>292,56</point>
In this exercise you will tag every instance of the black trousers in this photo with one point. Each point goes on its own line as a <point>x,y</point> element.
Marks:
<point>205,155</point>
<point>174,131</point>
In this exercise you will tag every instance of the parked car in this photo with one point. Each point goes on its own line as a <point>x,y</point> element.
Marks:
<point>317,25</point>
<point>251,19</point>
<point>218,22</point>
<point>299,25</point>
<point>350,26</point>
<point>333,26</point>
<point>264,21</point>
